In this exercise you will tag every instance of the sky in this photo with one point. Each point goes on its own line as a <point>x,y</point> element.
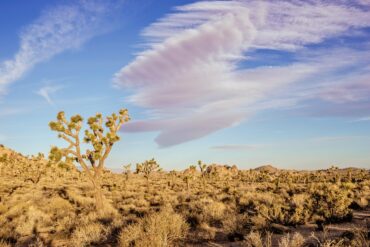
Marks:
<point>243,82</point>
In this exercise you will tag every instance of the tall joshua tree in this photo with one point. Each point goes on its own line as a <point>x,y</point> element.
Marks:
<point>99,137</point>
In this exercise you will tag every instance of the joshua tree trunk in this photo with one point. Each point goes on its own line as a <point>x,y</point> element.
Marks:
<point>98,194</point>
<point>203,181</point>
<point>147,182</point>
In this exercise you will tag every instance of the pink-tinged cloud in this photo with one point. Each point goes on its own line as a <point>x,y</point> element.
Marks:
<point>189,77</point>
<point>184,129</point>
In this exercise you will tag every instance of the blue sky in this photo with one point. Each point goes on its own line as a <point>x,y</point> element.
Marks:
<point>237,82</point>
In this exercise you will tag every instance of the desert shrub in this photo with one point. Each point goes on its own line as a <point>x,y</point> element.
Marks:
<point>205,232</point>
<point>214,211</point>
<point>4,158</point>
<point>296,240</point>
<point>255,239</point>
<point>4,244</point>
<point>164,228</point>
<point>85,235</point>
<point>258,222</point>
<point>207,210</point>
<point>354,237</point>
<point>330,202</point>
<point>32,219</point>
<point>269,208</point>
<point>300,211</point>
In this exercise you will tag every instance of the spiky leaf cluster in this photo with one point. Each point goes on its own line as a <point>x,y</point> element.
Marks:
<point>101,135</point>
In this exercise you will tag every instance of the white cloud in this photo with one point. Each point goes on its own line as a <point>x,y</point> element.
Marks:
<point>191,79</point>
<point>47,91</point>
<point>280,24</point>
<point>56,30</point>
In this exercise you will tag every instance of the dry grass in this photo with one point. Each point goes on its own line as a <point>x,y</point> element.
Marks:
<point>165,228</point>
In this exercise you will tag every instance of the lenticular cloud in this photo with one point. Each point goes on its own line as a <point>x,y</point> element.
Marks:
<point>191,69</point>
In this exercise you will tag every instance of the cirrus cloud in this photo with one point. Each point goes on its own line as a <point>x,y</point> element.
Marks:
<point>58,29</point>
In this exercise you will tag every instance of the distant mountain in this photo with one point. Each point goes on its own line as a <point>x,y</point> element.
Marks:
<point>267,168</point>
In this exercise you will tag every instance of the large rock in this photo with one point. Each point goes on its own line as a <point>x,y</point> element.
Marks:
<point>267,168</point>
<point>222,170</point>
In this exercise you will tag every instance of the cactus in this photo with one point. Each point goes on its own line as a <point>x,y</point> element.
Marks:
<point>69,130</point>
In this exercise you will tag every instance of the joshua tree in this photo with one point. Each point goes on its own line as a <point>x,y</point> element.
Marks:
<point>173,175</point>
<point>127,172</point>
<point>147,168</point>
<point>101,144</point>
<point>189,174</point>
<point>203,171</point>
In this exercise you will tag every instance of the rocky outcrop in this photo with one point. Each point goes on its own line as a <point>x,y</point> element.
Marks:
<point>267,168</point>
<point>222,170</point>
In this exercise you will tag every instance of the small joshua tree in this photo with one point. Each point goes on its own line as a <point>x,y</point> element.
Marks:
<point>203,171</point>
<point>127,172</point>
<point>189,175</point>
<point>173,176</point>
<point>101,143</point>
<point>147,168</point>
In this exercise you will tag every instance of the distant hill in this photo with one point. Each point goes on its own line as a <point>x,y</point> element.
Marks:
<point>267,168</point>
<point>7,151</point>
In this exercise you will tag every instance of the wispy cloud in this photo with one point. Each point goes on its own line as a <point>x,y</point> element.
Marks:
<point>235,147</point>
<point>362,119</point>
<point>191,77</point>
<point>322,139</point>
<point>47,91</point>
<point>58,29</point>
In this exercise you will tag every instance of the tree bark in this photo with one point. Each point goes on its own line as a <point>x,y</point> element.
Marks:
<point>98,194</point>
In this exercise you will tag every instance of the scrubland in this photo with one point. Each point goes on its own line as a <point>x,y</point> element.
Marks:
<point>43,203</point>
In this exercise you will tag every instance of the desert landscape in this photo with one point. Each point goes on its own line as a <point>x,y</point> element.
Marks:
<point>50,202</point>
<point>184,123</point>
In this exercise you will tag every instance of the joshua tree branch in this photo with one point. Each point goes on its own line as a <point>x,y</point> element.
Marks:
<point>63,136</point>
